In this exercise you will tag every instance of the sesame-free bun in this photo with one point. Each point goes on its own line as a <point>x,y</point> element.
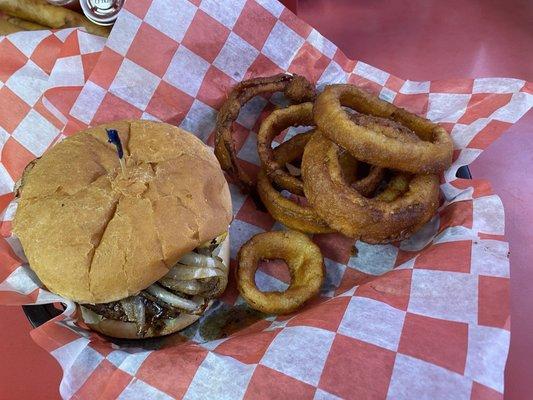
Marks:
<point>128,330</point>
<point>93,234</point>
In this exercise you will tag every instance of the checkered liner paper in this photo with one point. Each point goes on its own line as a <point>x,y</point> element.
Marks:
<point>425,318</point>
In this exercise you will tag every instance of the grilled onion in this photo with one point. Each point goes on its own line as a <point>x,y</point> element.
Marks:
<point>127,306</point>
<point>201,260</point>
<point>187,287</point>
<point>139,310</point>
<point>185,273</point>
<point>171,298</point>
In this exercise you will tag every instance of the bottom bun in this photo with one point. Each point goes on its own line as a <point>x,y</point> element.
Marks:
<point>128,330</point>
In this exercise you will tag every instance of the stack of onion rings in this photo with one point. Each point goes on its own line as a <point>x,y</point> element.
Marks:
<point>293,215</point>
<point>407,149</point>
<point>305,262</point>
<point>370,173</point>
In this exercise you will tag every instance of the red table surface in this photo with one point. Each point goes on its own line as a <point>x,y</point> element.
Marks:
<point>418,40</point>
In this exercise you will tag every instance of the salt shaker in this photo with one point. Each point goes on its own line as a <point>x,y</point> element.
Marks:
<point>101,12</point>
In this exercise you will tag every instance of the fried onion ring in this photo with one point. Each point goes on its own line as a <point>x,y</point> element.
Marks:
<point>273,125</point>
<point>291,214</point>
<point>305,263</point>
<point>295,87</point>
<point>368,184</point>
<point>349,212</point>
<point>382,147</point>
<point>302,217</point>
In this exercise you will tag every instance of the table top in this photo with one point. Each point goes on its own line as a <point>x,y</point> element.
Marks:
<point>418,40</point>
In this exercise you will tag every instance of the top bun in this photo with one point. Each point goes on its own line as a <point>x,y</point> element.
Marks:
<point>93,234</point>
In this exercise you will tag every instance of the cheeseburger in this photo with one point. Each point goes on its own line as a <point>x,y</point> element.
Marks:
<point>140,243</point>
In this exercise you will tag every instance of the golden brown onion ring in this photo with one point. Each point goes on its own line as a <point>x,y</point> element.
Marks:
<point>291,214</point>
<point>433,154</point>
<point>303,259</point>
<point>387,127</point>
<point>302,217</point>
<point>295,87</point>
<point>367,185</point>
<point>273,125</point>
<point>290,151</point>
<point>347,211</point>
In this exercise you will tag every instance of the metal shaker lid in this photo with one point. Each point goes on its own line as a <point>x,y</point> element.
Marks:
<point>101,12</point>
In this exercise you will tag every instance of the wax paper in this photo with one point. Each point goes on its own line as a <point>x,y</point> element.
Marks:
<point>424,318</point>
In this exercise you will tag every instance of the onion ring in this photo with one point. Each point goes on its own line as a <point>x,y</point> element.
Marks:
<point>433,154</point>
<point>387,127</point>
<point>286,211</point>
<point>295,87</point>
<point>305,262</point>
<point>302,217</point>
<point>347,211</point>
<point>291,214</point>
<point>398,185</point>
<point>368,184</point>
<point>286,154</point>
<point>276,122</point>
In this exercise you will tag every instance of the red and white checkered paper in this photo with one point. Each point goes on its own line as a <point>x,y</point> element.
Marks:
<point>425,318</point>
